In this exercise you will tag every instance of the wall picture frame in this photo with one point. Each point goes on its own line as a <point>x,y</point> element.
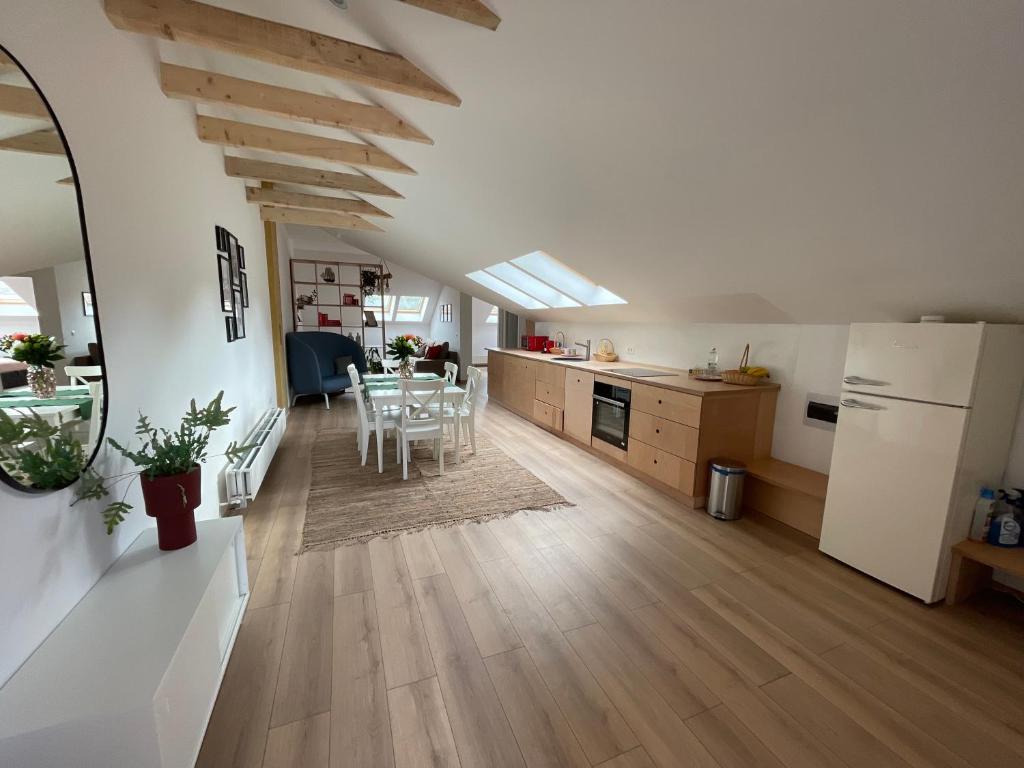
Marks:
<point>239,313</point>
<point>87,306</point>
<point>245,290</point>
<point>229,325</point>
<point>219,236</point>
<point>236,271</point>
<point>446,313</point>
<point>224,275</point>
<point>241,257</point>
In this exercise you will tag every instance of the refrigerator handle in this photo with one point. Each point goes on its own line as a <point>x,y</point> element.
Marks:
<point>861,381</point>
<point>858,404</point>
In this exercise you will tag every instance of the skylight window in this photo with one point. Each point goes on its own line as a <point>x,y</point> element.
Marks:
<point>372,302</point>
<point>539,281</point>
<point>550,270</point>
<point>502,288</point>
<point>411,309</point>
<point>492,316</point>
<point>13,305</point>
<point>531,285</point>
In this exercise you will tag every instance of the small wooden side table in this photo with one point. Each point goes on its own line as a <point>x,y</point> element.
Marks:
<point>972,566</point>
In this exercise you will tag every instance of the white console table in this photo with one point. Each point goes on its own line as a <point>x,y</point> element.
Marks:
<point>129,677</point>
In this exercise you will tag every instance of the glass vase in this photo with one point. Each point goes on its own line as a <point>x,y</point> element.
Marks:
<point>42,381</point>
<point>405,368</point>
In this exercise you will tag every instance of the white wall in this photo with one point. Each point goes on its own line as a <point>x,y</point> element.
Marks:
<point>802,358</point>
<point>152,195</point>
<point>484,334</point>
<point>78,330</point>
<point>449,331</point>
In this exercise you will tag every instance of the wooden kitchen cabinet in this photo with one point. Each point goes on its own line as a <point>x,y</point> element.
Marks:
<point>579,405</point>
<point>677,425</point>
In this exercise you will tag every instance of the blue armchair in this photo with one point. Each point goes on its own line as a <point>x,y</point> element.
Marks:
<point>312,361</point>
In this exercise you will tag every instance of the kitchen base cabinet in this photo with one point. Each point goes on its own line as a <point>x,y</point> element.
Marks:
<point>677,425</point>
<point>579,405</point>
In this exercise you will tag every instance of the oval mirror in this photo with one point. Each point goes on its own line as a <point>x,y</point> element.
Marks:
<point>52,383</point>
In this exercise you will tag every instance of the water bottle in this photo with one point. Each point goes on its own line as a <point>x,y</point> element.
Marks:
<point>1005,529</point>
<point>984,511</point>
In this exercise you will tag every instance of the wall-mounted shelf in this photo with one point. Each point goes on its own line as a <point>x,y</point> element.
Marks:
<point>307,276</point>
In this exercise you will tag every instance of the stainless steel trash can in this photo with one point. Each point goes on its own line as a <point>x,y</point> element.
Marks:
<point>725,498</point>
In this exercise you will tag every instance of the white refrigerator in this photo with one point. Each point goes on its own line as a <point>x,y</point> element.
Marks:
<point>926,419</point>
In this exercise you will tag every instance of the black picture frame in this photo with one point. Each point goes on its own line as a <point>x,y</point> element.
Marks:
<point>87,306</point>
<point>239,313</point>
<point>241,258</point>
<point>224,276</point>
<point>446,313</point>
<point>218,236</point>
<point>236,272</point>
<point>229,325</point>
<point>245,290</point>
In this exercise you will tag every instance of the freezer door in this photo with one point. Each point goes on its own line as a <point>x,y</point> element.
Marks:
<point>894,465</point>
<point>932,362</point>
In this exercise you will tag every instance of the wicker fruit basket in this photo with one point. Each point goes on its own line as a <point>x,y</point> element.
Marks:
<point>737,376</point>
<point>605,352</point>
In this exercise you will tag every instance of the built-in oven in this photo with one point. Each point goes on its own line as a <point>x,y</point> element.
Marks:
<point>611,414</point>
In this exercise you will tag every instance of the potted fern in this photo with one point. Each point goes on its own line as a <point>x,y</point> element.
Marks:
<point>169,465</point>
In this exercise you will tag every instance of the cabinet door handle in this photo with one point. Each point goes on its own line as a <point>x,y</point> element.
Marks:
<point>655,461</point>
<point>659,402</point>
<point>861,381</point>
<point>657,431</point>
<point>858,404</point>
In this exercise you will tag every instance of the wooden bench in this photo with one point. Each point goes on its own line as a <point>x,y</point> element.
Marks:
<point>789,493</point>
<point>972,566</point>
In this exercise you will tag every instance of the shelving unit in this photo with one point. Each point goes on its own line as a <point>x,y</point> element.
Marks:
<point>309,275</point>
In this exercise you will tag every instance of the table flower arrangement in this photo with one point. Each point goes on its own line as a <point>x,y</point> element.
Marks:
<point>402,348</point>
<point>39,352</point>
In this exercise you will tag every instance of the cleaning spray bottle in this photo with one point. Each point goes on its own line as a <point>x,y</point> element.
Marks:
<point>1005,529</point>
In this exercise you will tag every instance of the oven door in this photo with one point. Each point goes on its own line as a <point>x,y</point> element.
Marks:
<point>611,416</point>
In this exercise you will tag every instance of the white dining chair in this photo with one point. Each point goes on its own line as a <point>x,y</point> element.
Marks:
<point>422,418</point>
<point>451,373</point>
<point>368,417</point>
<point>96,417</point>
<point>466,410</point>
<point>80,374</point>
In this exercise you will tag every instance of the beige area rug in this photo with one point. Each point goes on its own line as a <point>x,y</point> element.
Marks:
<point>349,503</point>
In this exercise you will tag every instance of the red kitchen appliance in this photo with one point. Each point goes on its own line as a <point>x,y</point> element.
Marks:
<point>536,343</point>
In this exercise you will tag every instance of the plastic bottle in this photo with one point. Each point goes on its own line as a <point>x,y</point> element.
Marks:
<point>984,511</point>
<point>1005,529</point>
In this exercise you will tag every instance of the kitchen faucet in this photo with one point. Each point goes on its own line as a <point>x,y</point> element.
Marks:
<point>584,344</point>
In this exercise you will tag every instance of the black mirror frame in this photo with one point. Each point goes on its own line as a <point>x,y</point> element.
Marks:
<point>4,477</point>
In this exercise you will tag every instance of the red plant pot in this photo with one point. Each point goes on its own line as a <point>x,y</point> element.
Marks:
<point>172,500</point>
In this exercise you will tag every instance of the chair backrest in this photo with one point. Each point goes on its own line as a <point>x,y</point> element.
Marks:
<point>473,375</point>
<point>313,355</point>
<point>80,374</point>
<point>451,372</point>
<point>422,402</point>
<point>96,418</point>
<point>361,394</point>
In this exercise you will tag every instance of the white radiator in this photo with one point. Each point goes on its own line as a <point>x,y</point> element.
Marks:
<point>245,476</point>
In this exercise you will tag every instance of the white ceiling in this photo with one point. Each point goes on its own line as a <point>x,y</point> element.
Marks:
<point>708,160</point>
<point>39,224</point>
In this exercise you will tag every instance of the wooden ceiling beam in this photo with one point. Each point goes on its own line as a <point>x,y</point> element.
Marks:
<point>7,64</point>
<point>292,174</point>
<point>284,199</point>
<point>471,11</point>
<point>232,32</point>
<point>211,88</point>
<point>21,102</point>
<point>316,219</point>
<point>44,142</point>
<point>229,133</point>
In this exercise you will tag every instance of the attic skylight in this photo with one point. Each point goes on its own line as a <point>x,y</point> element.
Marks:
<point>539,281</point>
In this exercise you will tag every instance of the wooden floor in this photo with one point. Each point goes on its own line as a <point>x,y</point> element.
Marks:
<point>625,632</point>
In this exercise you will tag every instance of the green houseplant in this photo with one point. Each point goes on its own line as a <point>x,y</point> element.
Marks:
<point>169,471</point>
<point>39,352</point>
<point>37,454</point>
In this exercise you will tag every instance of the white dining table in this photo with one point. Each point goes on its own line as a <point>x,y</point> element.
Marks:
<point>55,415</point>
<point>382,398</point>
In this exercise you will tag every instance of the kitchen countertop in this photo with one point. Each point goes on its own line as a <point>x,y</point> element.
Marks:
<point>674,378</point>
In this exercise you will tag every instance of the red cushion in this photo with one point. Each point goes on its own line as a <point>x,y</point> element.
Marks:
<point>433,353</point>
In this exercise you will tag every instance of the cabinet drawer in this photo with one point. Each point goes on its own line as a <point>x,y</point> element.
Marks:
<point>668,404</point>
<point>550,394</point>
<point>662,466</point>
<point>548,415</point>
<point>673,437</point>
<point>579,380</point>
<point>551,374</point>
